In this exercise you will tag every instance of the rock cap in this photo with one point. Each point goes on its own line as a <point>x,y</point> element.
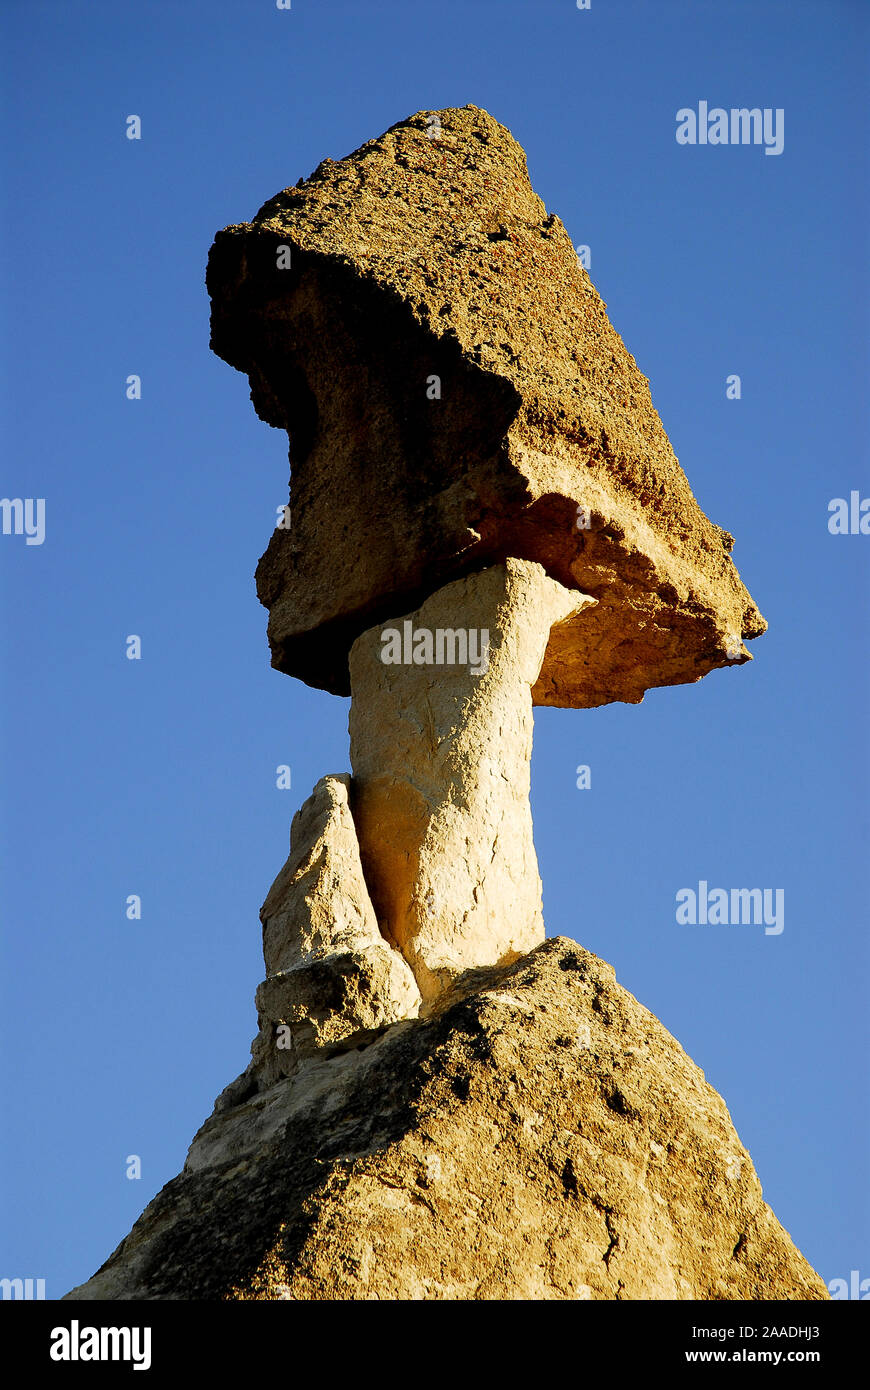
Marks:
<point>455,394</point>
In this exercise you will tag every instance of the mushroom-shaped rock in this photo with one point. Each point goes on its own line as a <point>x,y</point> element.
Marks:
<point>455,394</point>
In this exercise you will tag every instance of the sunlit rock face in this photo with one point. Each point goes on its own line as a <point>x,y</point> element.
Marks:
<point>455,394</point>
<point>440,751</point>
<point>486,514</point>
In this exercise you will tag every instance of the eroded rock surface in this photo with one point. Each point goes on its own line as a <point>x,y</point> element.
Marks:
<point>441,761</point>
<point>542,1137</point>
<point>440,1104</point>
<point>331,979</point>
<point>424,263</point>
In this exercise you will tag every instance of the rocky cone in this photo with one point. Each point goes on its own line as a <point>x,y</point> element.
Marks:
<point>542,1136</point>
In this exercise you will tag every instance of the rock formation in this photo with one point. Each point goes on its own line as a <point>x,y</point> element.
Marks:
<point>540,1136</point>
<point>332,981</point>
<point>486,515</point>
<point>455,395</point>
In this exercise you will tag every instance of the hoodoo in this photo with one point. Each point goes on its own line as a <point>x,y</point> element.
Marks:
<point>485,515</point>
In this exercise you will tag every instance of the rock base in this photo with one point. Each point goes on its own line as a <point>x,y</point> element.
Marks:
<point>541,1136</point>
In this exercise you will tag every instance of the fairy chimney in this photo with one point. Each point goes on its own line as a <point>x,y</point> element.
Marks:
<point>473,451</point>
<point>440,1104</point>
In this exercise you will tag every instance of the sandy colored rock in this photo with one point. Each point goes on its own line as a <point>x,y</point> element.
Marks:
<point>332,981</point>
<point>542,1137</point>
<point>439,1103</point>
<point>319,902</point>
<point>441,768</point>
<point>454,393</point>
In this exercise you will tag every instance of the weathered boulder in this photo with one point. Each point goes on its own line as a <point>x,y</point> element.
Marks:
<point>455,394</point>
<point>540,1137</point>
<point>440,751</point>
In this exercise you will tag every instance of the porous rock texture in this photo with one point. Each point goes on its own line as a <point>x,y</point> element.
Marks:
<point>455,394</point>
<point>540,1136</point>
<point>439,1103</point>
<point>332,980</point>
<point>441,770</point>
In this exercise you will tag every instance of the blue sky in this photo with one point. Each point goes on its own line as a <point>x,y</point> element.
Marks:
<point>157,777</point>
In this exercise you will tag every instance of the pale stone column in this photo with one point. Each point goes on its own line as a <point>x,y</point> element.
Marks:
<point>332,981</point>
<point>441,765</point>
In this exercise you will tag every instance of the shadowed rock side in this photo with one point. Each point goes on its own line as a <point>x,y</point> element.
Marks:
<point>417,258</point>
<point>542,1137</point>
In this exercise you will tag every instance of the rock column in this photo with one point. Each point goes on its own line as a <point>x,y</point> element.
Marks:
<point>440,746</point>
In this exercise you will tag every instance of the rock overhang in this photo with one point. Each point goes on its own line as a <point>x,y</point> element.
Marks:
<point>425,257</point>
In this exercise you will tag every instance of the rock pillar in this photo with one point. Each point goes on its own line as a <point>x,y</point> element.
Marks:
<point>440,746</point>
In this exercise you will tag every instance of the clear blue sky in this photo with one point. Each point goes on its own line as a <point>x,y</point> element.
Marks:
<point>157,777</point>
